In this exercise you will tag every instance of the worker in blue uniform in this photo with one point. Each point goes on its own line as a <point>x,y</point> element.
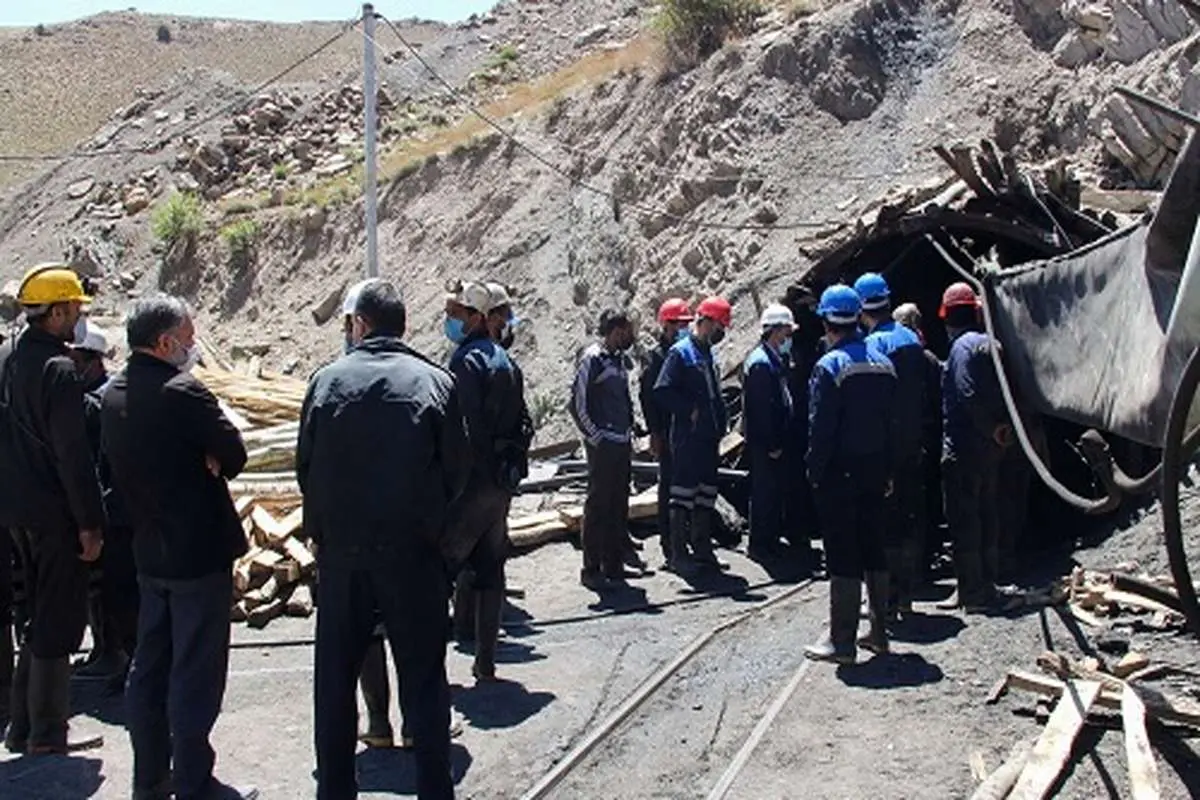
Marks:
<point>690,389</point>
<point>904,545</point>
<point>976,432</point>
<point>851,397</point>
<point>767,417</point>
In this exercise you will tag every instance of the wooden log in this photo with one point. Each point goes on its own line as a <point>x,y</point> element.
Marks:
<point>264,561</point>
<point>241,577</point>
<point>238,612</point>
<point>1086,617</point>
<point>260,616</point>
<point>297,552</point>
<point>1053,747</point>
<point>300,604</point>
<point>287,572</point>
<point>263,594</point>
<point>1143,771</point>
<point>979,770</point>
<point>1130,663</point>
<point>243,505</point>
<point>1000,783</point>
<point>1065,668</point>
<point>533,520</point>
<point>276,530</point>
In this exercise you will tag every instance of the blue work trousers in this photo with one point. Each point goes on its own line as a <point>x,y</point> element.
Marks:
<point>695,460</point>
<point>851,502</point>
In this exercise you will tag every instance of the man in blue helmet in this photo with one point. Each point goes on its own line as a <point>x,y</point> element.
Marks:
<point>851,394</point>
<point>904,545</point>
<point>768,409</point>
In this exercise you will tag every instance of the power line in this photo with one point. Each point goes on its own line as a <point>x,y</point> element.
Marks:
<point>537,156</point>
<point>225,109</point>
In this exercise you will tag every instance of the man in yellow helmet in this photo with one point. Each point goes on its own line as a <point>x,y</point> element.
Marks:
<point>50,498</point>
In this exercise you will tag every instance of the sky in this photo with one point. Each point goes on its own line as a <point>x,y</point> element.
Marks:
<point>25,12</point>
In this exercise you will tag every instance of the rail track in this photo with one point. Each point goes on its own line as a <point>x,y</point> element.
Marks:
<point>690,728</point>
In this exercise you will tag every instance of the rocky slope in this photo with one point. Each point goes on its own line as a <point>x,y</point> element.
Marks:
<point>727,177</point>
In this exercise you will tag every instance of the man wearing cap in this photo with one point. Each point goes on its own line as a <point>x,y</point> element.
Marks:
<point>905,546</point>
<point>767,408</point>
<point>50,499</point>
<point>689,387</point>
<point>849,457</point>
<point>674,316</point>
<point>976,432</point>
<point>603,411</point>
<point>492,398</point>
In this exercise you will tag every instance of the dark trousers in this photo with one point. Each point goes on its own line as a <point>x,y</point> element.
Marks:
<point>56,585</point>
<point>851,505</point>
<point>1014,481</point>
<point>606,510</point>
<point>767,479</point>
<point>665,465</point>
<point>119,587</point>
<point>6,624</point>
<point>971,512</point>
<point>177,681</point>
<point>694,475</point>
<point>906,525</point>
<point>485,513</point>
<point>410,593</point>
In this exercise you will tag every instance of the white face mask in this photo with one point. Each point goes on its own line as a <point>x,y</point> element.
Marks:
<point>80,333</point>
<point>184,358</point>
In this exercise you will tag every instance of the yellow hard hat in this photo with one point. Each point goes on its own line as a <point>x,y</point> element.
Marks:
<point>46,284</point>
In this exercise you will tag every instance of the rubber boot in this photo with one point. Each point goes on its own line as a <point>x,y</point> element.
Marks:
<point>464,608</point>
<point>50,708</point>
<point>838,646</point>
<point>16,740</point>
<point>680,562</point>
<point>701,538</point>
<point>377,696</point>
<point>876,639</point>
<point>490,604</point>
<point>974,593</point>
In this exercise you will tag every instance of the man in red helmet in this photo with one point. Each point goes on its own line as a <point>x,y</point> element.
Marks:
<point>689,387</point>
<point>674,315</point>
<point>976,433</point>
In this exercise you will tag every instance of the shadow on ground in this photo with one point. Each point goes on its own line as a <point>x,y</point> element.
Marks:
<point>891,671</point>
<point>395,771</point>
<point>50,777</point>
<point>927,628</point>
<point>503,704</point>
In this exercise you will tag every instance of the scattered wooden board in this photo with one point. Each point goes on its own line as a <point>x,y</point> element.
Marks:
<point>1143,770</point>
<point>1053,747</point>
<point>1180,712</point>
<point>1130,663</point>
<point>1000,783</point>
<point>300,604</point>
<point>260,616</point>
<point>979,770</point>
<point>296,551</point>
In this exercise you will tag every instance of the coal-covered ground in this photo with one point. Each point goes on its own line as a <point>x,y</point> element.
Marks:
<point>899,726</point>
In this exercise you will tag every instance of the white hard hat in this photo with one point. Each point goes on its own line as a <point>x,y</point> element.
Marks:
<point>350,301</point>
<point>777,316</point>
<point>94,339</point>
<point>499,295</point>
<point>474,295</point>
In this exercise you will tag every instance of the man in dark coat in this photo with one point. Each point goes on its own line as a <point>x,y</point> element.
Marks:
<point>382,455</point>
<point>171,451</point>
<point>50,500</point>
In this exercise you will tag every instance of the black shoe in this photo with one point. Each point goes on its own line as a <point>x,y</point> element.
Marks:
<point>594,580</point>
<point>765,552</point>
<point>103,668</point>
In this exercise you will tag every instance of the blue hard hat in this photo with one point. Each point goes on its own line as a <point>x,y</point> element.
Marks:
<point>873,290</point>
<point>839,305</point>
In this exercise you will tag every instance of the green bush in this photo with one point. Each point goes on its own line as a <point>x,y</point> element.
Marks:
<point>241,237</point>
<point>506,55</point>
<point>695,29</point>
<point>543,408</point>
<point>280,171</point>
<point>179,219</point>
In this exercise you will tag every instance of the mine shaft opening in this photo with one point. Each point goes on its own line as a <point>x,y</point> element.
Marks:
<point>917,273</point>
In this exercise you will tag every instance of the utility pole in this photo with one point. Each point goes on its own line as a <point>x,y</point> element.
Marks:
<point>370,96</point>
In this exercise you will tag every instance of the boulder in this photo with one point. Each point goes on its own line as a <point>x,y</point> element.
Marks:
<point>593,35</point>
<point>136,199</point>
<point>80,188</point>
<point>9,307</point>
<point>327,308</point>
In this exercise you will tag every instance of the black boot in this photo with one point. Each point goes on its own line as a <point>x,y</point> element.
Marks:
<point>838,646</point>
<point>701,537</point>
<point>490,605</point>
<point>17,737</point>
<point>110,659</point>
<point>377,697</point>
<point>680,561</point>
<point>50,708</point>
<point>464,608</point>
<point>876,639</point>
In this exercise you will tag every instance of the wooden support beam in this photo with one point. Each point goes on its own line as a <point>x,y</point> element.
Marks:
<point>1000,783</point>
<point>300,604</point>
<point>1143,770</point>
<point>1172,710</point>
<point>1053,748</point>
<point>295,550</point>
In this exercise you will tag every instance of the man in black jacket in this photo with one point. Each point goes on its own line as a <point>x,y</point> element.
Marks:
<point>51,502</point>
<point>381,456</point>
<point>171,450</point>
<point>674,316</point>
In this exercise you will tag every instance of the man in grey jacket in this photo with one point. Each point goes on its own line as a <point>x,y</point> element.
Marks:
<point>603,411</point>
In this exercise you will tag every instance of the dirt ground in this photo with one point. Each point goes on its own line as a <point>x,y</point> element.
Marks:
<point>900,726</point>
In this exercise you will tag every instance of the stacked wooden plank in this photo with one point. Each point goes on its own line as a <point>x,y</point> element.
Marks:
<point>275,577</point>
<point>1096,597</point>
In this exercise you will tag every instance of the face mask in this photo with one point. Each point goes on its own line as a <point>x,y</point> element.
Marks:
<point>717,337</point>
<point>785,347</point>
<point>80,332</point>
<point>184,358</point>
<point>455,330</point>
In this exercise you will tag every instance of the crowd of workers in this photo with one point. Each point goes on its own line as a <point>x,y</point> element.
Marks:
<point>408,470</point>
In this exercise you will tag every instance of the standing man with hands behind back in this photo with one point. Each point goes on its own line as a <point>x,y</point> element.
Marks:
<point>171,450</point>
<point>50,498</point>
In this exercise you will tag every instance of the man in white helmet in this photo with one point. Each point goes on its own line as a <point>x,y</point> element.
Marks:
<point>768,412</point>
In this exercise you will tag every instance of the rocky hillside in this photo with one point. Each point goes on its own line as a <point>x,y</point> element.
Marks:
<point>629,179</point>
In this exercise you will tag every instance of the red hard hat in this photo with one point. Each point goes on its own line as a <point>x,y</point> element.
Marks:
<point>716,308</point>
<point>958,294</point>
<point>674,310</point>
